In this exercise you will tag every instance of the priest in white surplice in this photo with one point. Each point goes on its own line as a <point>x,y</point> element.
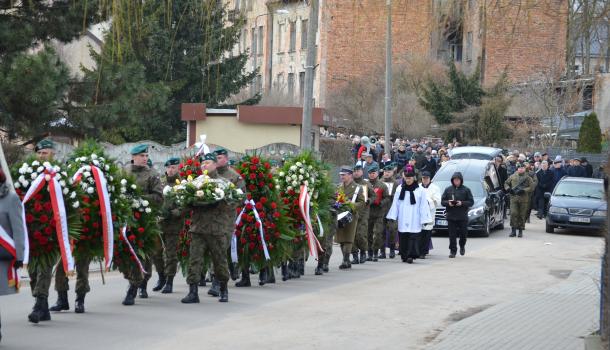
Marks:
<point>410,208</point>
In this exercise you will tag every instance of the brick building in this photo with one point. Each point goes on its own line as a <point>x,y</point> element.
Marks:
<point>521,37</point>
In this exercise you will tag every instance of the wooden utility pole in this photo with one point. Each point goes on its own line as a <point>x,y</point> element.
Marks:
<point>312,30</point>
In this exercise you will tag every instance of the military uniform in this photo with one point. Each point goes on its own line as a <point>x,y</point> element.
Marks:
<point>520,187</point>
<point>531,174</point>
<point>389,227</point>
<point>379,203</point>
<point>171,223</point>
<point>345,235</point>
<point>361,241</point>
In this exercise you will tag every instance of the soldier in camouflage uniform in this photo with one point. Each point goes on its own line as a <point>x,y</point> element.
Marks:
<point>519,185</point>
<point>361,240</point>
<point>210,225</point>
<point>379,203</point>
<point>529,169</point>
<point>40,278</point>
<point>389,227</point>
<point>171,223</point>
<point>149,182</point>
<point>345,236</point>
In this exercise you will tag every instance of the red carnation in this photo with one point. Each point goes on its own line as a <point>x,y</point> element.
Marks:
<point>243,241</point>
<point>255,160</point>
<point>181,166</point>
<point>257,224</point>
<point>261,175</point>
<point>136,214</point>
<point>37,234</point>
<point>249,196</point>
<point>37,207</point>
<point>270,186</point>
<point>251,188</point>
<point>96,203</point>
<point>132,238</point>
<point>270,176</point>
<point>95,224</point>
<point>187,222</point>
<point>286,201</point>
<point>182,174</point>
<point>141,229</point>
<point>48,206</point>
<point>253,167</point>
<point>86,218</point>
<point>29,218</point>
<point>276,215</point>
<point>252,176</point>
<point>48,230</point>
<point>38,197</point>
<point>185,254</point>
<point>277,234</point>
<point>43,240</point>
<point>259,206</point>
<point>189,161</point>
<point>43,218</point>
<point>273,205</point>
<point>189,172</point>
<point>251,246</point>
<point>197,164</point>
<point>85,199</point>
<point>267,165</point>
<point>263,200</point>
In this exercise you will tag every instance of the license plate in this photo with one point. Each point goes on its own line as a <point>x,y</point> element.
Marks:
<point>580,220</point>
<point>442,223</point>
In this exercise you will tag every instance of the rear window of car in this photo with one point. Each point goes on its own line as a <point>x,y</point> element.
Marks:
<point>468,155</point>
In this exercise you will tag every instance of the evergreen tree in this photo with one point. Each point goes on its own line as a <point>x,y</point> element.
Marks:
<point>33,84</point>
<point>590,136</point>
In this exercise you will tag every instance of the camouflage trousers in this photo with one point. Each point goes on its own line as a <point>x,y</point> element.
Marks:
<point>361,241</point>
<point>40,280</point>
<point>389,233</point>
<point>155,259</point>
<point>376,234</point>
<point>216,248</point>
<point>82,276</point>
<point>518,212</point>
<point>170,254</point>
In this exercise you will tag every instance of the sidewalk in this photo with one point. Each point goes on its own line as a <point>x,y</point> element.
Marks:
<point>554,319</point>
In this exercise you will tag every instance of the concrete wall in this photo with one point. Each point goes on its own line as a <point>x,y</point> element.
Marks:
<point>228,132</point>
<point>601,100</point>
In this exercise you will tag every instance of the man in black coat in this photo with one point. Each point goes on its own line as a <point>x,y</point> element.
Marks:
<point>457,199</point>
<point>588,167</point>
<point>545,184</point>
<point>576,169</point>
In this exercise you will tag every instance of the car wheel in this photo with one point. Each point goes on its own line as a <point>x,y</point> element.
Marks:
<point>487,230</point>
<point>550,228</point>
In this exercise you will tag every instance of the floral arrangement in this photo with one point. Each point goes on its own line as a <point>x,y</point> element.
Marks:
<point>184,245</point>
<point>190,166</point>
<point>44,244</point>
<point>201,191</point>
<point>264,197</point>
<point>305,169</point>
<point>342,203</point>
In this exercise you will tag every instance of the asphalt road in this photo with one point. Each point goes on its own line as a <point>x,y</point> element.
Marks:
<point>388,304</point>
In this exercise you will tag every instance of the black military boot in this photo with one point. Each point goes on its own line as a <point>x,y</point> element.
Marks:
<point>160,283</point>
<point>370,255</point>
<point>215,289</point>
<point>319,269</point>
<point>44,313</point>
<point>270,275</point>
<point>62,302</point>
<point>192,297</point>
<point>34,316</point>
<point>392,253</point>
<point>355,259</point>
<point>224,293</point>
<point>513,232</point>
<point>79,306</point>
<point>234,271</point>
<point>520,233</point>
<point>325,267</point>
<point>285,275</point>
<point>130,297</point>
<point>381,253</point>
<point>143,292</point>
<point>294,271</point>
<point>245,279</point>
<point>202,280</point>
<point>262,277</point>
<point>345,264</point>
<point>169,285</point>
<point>375,256</point>
<point>363,257</point>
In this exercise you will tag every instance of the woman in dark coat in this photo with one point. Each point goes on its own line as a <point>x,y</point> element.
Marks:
<point>12,237</point>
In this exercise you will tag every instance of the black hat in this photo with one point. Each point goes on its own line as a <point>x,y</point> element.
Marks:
<point>172,161</point>
<point>346,170</point>
<point>583,160</point>
<point>408,174</point>
<point>426,173</point>
<point>357,167</point>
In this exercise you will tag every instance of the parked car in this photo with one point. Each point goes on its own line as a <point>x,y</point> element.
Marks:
<point>488,211</point>
<point>577,202</point>
<point>474,152</point>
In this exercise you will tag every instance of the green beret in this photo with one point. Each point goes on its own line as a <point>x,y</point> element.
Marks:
<point>139,149</point>
<point>357,167</point>
<point>389,167</point>
<point>209,156</point>
<point>373,169</point>
<point>221,151</point>
<point>520,165</point>
<point>172,161</point>
<point>45,144</point>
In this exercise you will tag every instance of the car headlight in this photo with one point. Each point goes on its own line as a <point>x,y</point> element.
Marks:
<point>557,210</point>
<point>600,213</point>
<point>476,211</point>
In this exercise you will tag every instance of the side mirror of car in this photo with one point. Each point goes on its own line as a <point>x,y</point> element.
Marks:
<point>547,195</point>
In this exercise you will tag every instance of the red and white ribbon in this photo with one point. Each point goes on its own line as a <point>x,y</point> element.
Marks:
<point>312,240</point>
<point>8,243</point>
<point>261,231</point>
<point>26,240</point>
<point>123,232</point>
<point>59,214</point>
<point>101,186</point>
<point>203,147</point>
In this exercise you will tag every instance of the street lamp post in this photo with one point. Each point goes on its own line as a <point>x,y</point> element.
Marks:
<point>306,139</point>
<point>388,80</point>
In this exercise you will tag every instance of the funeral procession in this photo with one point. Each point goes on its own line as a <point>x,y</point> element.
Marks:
<point>304,174</point>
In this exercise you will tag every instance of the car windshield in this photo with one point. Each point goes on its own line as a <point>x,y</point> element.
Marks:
<point>579,189</point>
<point>476,187</point>
<point>469,155</point>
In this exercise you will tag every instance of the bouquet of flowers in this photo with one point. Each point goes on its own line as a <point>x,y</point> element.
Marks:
<point>202,190</point>
<point>261,225</point>
<point>190,166</point>
<point>41,219</point>
<point>342,203</point>
<point>184,246</point>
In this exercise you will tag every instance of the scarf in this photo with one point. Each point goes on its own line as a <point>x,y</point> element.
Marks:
<point>411,188</point>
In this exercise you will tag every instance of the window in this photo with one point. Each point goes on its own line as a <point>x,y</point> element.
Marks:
<point>259,84</point>
<point>301,85</point>
<point>279,81</point>
<point>280,36</point>
<point>304,34</point>
<point>293,36</point>
<point>291,85</point>
<point>253,43</point>
<point>260,41</point>
<point>469,46</point>
<point>249,2</point>
<point>237,3</point>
